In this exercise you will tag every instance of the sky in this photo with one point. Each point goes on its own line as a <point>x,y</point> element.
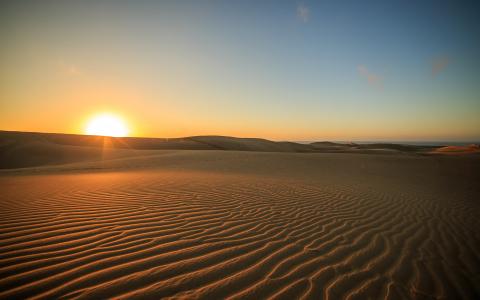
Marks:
<point>281,70</point>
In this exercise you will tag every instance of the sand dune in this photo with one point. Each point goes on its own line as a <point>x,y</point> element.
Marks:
<point>470,149</point>
<point>25,149</point>
<point>242,225</point>
<point>28,149</point>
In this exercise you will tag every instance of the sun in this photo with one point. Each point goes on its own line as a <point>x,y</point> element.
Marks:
<point>107,125</point>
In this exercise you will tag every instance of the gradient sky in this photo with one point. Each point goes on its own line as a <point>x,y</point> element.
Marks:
<point>283,70</point>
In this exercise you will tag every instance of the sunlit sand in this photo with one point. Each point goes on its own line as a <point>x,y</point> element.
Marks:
<point>215,224</point>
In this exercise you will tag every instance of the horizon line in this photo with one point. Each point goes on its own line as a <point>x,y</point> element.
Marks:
<point>366,141</point>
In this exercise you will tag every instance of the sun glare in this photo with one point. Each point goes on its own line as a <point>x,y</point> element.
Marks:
<point>107,125</point>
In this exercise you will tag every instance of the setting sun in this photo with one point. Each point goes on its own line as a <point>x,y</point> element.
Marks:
<point>107,125</point>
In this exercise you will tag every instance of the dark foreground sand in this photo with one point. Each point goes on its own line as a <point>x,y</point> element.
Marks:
<point>243,225</point>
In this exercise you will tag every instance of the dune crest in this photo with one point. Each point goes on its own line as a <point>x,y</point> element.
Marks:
<point>28,149</point>
<point>470,149</point>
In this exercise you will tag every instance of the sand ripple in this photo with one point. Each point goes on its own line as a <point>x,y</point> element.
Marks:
<point>214,236</point>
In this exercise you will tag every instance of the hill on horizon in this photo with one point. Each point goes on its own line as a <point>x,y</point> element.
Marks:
<point>29,149</point>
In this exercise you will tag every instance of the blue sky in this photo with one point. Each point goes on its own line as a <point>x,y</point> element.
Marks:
<point>338,70</point>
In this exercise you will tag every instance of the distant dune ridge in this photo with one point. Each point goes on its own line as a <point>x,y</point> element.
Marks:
<point>459,149</point>
<point>26,149</point>
<point>185,219</point>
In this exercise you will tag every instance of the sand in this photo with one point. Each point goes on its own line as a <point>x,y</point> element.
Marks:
<point>28,149</point>
<point>214,224</point>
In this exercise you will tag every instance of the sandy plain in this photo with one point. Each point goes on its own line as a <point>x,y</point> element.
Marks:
<point>215,224</point>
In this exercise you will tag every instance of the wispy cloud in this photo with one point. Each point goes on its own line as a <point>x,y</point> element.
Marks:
<point>303,13</point>
<point>68,69</point>
<point>373,79</point>
<point>439,64</point>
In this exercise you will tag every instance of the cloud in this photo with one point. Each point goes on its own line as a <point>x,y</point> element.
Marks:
<point>439,64</point>
<point>68,69</point>
<point>303,13</point>
<point>373,79</point>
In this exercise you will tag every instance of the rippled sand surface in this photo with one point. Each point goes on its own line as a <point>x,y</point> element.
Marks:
<point>243,225</point>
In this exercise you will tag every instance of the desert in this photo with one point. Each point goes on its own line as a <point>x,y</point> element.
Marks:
<point>214,150</point>
<point>231,224</point>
